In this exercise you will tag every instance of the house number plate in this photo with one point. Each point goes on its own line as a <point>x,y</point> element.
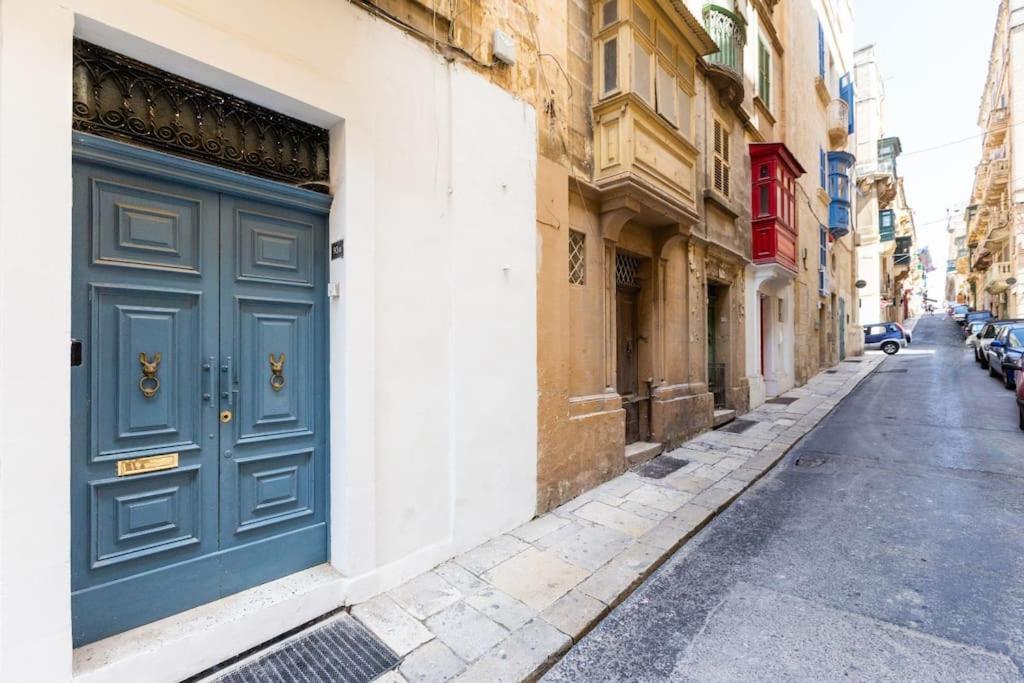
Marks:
<point>152,463</point>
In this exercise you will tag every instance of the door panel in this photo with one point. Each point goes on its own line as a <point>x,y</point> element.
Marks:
<point>277,404</point>
<point>273,471</point>
<point>190,303</point>
<point>627,371</point>
<point>164,326</point>
<point>141,227</point>
<point>139,288</point>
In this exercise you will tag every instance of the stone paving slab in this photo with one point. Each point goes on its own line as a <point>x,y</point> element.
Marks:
<point>507,609</point>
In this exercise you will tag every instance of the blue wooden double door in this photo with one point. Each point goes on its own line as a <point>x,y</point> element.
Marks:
<point>199,461</point>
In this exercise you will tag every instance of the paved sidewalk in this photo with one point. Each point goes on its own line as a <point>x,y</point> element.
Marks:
<point>507,609</point>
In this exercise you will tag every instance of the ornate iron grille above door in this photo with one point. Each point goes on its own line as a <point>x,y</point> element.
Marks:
<point>627,271</point>
<point>116,96</point>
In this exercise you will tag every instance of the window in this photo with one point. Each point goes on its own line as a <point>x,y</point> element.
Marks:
<point>764,73</point>
<point>611,66</point>
<point>665,92</point>
<point>642,72</point>
<point>577,258</point>
<point>886,225</point>
<point>846,94</point>
<point>642,21</point>
<point>821,50</point>
<point>822,170</point>
<point>876,330</point>
<point>685,112</point>
<point>721,162</point>
<point>609,12</point>
<point>822,258</point>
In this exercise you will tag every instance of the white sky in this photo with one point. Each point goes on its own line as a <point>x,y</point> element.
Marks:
<point>934,58</point>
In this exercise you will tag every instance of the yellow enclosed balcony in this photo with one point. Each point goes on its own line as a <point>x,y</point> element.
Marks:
<point>998,176</point>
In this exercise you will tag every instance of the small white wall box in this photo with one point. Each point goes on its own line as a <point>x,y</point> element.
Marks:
<point>504,48</point>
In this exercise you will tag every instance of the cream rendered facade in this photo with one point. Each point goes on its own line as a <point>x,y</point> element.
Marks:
<point>827,318</point>
<point>436,290</point>
<point>995,220</point>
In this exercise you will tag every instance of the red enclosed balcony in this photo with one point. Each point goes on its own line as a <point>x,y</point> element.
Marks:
<point>773,173</point>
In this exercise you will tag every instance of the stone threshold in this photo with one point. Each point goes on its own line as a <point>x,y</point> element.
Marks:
<point>509,608</point>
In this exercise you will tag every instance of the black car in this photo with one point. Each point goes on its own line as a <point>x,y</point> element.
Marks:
<point>1005,353</point>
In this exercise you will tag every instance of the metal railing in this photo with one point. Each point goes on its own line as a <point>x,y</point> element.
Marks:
<point>729,31</point>
<point>716,383</point>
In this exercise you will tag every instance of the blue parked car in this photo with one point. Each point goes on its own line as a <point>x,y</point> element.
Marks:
<point>1005,354</point>
<point>887,337</point>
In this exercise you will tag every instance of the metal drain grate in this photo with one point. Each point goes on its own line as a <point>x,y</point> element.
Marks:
<point>660,467</point>
<point>737,426</point>
<point>810,461</point>
<point>782,400</point>
<point>851,361</point>
<point>883,372</point>
<point>342,651</point>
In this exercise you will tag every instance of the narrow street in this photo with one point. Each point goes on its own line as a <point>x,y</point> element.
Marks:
<point>897,554</point>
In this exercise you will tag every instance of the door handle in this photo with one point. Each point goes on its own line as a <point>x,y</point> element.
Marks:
<point>226,368</point>
<point>208,369</point>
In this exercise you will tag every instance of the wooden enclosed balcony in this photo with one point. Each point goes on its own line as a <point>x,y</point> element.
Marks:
<point>638,156</point>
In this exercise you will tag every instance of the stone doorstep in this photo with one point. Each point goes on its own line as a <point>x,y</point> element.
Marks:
<point>639,452</point>
<point>530,646</point>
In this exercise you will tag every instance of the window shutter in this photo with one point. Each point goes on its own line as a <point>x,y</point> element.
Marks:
<point>642,72</point>
<point>822,171</point>
<point>846,94</point>
<point>764,73</point>
<point>821,50</point>
<point>665,93</point>
<point>721,159</point>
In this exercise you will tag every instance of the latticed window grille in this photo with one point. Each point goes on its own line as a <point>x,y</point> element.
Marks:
<point>577,258</point>
<point>627,271</point>
<point>721,163</point>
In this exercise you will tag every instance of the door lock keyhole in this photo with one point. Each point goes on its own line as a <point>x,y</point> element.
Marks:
<point>225,416</point>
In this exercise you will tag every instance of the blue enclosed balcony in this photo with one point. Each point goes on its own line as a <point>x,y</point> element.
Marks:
<point>839,165</point>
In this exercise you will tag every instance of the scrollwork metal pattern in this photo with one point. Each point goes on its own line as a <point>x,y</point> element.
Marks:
<point>116,96</point>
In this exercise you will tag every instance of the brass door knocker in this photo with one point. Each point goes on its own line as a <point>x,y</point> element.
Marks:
<point>277,372</point>
<point>149,383</point>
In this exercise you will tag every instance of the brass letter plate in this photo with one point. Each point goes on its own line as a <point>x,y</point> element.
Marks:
<point>153,463</point>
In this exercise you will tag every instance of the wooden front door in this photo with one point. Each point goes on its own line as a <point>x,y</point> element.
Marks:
<point>199,414</point>
<point>634,399</point>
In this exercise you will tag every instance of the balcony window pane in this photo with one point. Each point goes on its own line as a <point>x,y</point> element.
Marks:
<point>685,115</point>
<point>642,72</point>
<point>611,65</point>
<point>642,21</point>
<point>609,12</point>
<point>762,200</point>
<point>666,94</point>
<point>763,171</point>
<point>665,45</point>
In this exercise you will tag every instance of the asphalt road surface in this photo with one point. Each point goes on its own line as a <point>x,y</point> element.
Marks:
<point>900,556</point>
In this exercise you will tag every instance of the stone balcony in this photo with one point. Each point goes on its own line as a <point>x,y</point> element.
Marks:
<point>998,122</point>
<point>838,117</point>
<point>998,176</point>
<point>996,275</point>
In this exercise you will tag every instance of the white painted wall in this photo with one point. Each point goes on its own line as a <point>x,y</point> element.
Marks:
<point>433,342</point>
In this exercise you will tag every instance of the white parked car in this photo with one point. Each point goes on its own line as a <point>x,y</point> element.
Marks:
<point>972,341</point>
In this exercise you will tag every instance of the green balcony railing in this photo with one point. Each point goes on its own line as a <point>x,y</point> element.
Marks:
<point>729,31</point>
